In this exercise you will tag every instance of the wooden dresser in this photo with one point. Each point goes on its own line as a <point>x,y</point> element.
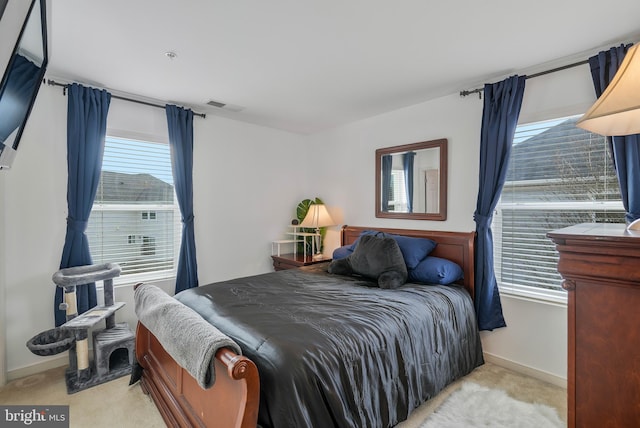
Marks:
<point>600,264</point>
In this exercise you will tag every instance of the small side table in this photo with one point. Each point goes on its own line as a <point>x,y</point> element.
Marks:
<point>293,261</point>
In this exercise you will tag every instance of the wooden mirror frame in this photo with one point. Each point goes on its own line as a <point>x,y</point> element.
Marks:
<point>441,215</point>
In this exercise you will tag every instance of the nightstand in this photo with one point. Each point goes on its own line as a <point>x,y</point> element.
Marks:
<point>292,261</point>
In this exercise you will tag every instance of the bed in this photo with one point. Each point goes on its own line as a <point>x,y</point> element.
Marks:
<point>322,350</point>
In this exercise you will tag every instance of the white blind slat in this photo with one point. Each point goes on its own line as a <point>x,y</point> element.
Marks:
<point>559,175</point>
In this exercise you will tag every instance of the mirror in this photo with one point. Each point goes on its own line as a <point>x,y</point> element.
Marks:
<point>411,181</point>
<point>21,80</point>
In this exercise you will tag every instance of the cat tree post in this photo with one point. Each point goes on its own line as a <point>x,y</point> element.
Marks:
<point>110,321</point>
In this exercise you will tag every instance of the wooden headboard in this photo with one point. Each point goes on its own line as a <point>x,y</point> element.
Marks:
<point>455,246</point>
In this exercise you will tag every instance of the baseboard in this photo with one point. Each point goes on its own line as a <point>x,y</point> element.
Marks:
<point>48,364</point>
<point>526,370</point>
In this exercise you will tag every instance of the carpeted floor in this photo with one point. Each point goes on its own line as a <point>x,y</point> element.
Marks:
<point>117,404</point>
<point>516,385</point>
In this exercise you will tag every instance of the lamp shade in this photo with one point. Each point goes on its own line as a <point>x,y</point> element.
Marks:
<point>617,110</point>
<point>317,216</point>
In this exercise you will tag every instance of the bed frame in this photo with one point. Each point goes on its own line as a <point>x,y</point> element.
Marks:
<point>233,401</point>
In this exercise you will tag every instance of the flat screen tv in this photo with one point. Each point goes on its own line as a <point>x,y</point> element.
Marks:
<point>22,78</point>
<point>3,5</point>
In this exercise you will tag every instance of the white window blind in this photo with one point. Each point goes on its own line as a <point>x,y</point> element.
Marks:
<point>558,175</point>
<point>135,219</point>
<point>398,196</point>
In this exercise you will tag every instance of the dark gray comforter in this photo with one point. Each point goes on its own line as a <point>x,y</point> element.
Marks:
<point>333,351</point>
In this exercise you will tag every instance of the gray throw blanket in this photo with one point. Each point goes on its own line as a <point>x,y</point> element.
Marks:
<point>184,334</point>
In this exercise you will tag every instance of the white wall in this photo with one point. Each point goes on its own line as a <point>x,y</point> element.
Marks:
<point>349,153</point>
<point>3,361</point>
<point>35,217</point>
<point>535,339</point>
<point>247,183</point>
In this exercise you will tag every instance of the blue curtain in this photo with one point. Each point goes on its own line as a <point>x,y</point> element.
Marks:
<point>624,149</point>
<point>180,123</point>
<point>407,164</point>
<point>86,129</point>
<point>387,184</point>
<point>502,102</point>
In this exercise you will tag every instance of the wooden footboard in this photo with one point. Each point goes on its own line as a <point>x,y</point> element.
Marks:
<point>231,402</point>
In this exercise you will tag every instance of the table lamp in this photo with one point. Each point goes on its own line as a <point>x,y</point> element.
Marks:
<point>617,110</point>
<point>317,217</point>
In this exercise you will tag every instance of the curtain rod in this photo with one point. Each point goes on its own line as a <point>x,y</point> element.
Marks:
<point>542,73</point>
<point>65,86</point>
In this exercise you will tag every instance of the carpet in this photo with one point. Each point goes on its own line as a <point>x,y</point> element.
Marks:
<point>477,406</point>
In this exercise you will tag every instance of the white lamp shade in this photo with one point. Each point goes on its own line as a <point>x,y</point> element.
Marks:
<point>317,216</point>
<point>617,110</point>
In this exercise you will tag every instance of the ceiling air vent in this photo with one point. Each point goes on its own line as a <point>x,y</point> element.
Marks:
<point>225,106</point>
<point>216,104</point>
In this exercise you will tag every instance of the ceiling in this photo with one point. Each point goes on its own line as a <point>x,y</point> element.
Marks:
<point>309,65</point>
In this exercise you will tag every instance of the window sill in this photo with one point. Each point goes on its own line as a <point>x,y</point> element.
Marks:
<point>130,280</point>
<point>550,297</point>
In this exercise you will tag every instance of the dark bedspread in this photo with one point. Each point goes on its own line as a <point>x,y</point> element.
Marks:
<point>332,351</point>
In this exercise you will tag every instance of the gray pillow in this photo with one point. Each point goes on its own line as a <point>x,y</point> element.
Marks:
<point>377,258</point>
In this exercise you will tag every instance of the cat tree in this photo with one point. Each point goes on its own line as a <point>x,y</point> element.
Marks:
<point>113,346</point>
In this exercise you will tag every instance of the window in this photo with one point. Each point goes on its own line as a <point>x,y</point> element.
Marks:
<point>398,194</point>
<point>148,215</point>
<point>135,219</point>
<point>558,175</point>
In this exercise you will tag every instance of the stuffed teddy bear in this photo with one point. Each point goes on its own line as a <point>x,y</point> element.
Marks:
<point>375,257</point>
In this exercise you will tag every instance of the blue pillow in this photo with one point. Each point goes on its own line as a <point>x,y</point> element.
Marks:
<point>342,252</point>
<point>414,250</point>
<point>434,270</point>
